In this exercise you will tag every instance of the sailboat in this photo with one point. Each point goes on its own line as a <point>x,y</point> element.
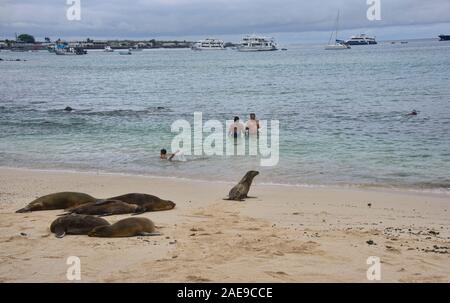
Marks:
<point>334,43</point>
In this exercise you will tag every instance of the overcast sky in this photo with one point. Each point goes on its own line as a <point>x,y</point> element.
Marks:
<point>289,20</point>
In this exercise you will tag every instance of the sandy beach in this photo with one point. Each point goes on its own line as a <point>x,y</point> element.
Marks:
<point>286,234</point>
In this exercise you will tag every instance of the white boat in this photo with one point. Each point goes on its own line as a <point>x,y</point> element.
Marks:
<point>362,39</point>
<point>108,49</point>
<point>209,44</point>
<point>128,52</point>
<point>333,42</point>
<point>67,51</point>
<point>257,44</point>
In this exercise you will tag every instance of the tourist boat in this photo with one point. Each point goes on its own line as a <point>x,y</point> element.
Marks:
<point>333,42</point>
<point>209,44</point>
<point>108,49</point>
<point>64,50</point>
<point>362,39</point>
<point>257,44</point>
<point>444,37</point>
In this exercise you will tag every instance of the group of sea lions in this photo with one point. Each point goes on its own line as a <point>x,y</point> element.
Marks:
<point>83,212</point>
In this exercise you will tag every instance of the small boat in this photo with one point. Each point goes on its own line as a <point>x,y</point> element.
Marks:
<point>70,51</point>
<point>338,44</point>
<point>128,52</point>
<point>444,37</point>
<point>404,42</point>
<point>108,49</point>
<point>136,48</point>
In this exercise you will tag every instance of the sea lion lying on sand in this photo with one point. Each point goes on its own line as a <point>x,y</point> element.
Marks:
<point>240,191</point>
<point>106,208</point>
<point>129,227</point>
<point>74,224</point>
<point>146,202</point>
<point>62,200</point>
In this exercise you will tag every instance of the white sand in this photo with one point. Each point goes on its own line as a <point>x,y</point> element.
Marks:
<point>287,234</point>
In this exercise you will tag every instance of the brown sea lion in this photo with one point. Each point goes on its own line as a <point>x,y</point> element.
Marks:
<point>147,202</point>
<point>74,224</point>
<point>129,227</point>
<point>61,200</point>
<point>240,191</point>
<point>106,208</point>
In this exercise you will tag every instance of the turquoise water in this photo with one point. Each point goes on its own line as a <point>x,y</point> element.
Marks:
<point>341,113</point>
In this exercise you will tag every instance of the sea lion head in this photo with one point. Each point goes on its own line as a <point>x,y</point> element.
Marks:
<point>100,231</point>
<point>250,175</point>
<point>160,205</point>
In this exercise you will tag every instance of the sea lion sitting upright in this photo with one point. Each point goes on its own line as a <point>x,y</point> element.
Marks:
<point>147,202</point>
<point>60,200</point>
<point>129,227</point>
<point>106,208</point>
<point>240,191</point>
<point>74,224</point>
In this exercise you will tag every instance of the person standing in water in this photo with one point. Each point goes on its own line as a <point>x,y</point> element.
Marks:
<point>252,126</point>
<point>236,128</point>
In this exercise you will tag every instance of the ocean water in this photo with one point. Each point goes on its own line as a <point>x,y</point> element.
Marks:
<point>341,113</point>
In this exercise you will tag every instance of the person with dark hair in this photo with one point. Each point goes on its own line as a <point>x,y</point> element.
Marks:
<point>236,128</point>
<point>252,126</point>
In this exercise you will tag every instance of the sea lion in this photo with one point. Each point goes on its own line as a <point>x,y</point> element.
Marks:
<point>106,208</point>
<point>147,202</point>
<point>61,200</point>
<point>240,191</point>
<point>74,224</point>
<point>129,227</point>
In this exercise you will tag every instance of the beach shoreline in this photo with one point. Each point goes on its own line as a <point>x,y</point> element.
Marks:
<point>286,234</point>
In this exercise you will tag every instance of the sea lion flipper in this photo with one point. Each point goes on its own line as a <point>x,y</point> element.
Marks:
<point>23,210</point>
<point>146,234</point>
<point>60,232</point>
<point>250,197</point>
<point>64,214</point>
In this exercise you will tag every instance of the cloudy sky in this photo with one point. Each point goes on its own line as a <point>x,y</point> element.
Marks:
<point>289,20</point>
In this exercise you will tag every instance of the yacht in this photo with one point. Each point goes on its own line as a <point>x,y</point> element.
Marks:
<point>362,39</point>
<point>257,44</point>
<point>336,44</point>
<point>209,44</point>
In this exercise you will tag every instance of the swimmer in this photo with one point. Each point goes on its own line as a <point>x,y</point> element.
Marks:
<point>178,155</point>
<point>413,113</point>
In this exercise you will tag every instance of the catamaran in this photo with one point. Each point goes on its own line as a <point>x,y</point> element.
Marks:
<point>333,42</point>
